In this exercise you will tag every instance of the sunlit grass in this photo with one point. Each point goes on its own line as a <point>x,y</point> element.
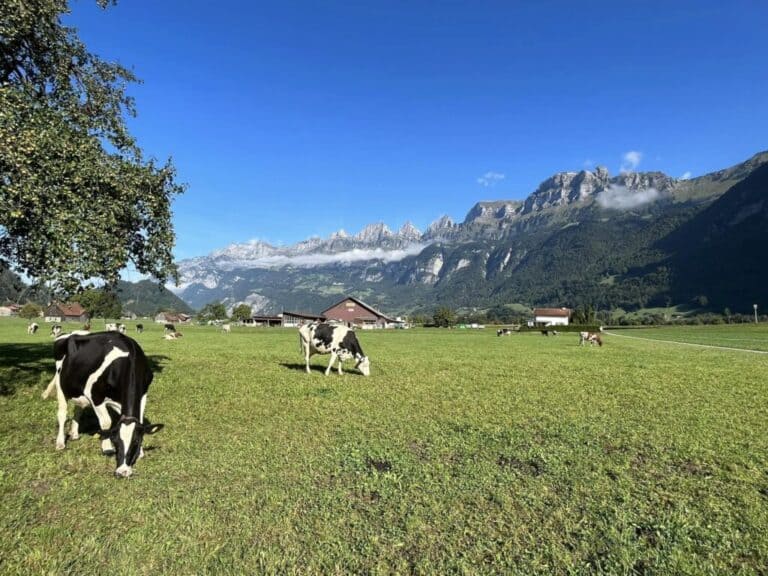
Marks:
<point>463,452</point>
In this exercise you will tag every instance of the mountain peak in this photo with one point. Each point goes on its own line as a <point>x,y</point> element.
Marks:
<point>374,232</point>
<point>409,232</point>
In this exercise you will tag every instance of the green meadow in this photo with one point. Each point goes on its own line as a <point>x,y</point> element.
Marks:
<point>462,453</point>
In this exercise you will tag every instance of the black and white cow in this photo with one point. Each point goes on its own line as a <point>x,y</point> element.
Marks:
<point>334,339</point>
<point>56,330</point>
<point>104,370</point>
<point>591,337</point>
<point>170,327</point>
<point>32,328</point>
<point>139,328</point>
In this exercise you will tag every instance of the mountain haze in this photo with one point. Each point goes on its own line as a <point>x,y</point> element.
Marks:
<point>630,240</point>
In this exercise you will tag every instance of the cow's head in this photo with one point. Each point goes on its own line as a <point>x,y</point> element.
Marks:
<point>364,365</point>
<point>127,436</point>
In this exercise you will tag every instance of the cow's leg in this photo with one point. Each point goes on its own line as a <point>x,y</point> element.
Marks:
<point>143,407</point>
<point>105,423</point>
<point>340,372</point>
<point>334,356</point>
<point>74,426</point>
<point>62,418</point>
<point>306,358</point>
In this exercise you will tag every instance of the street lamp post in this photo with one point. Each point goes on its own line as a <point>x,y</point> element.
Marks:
<point>755,307</point>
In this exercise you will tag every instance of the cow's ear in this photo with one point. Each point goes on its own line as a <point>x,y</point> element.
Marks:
<point>152,428</point>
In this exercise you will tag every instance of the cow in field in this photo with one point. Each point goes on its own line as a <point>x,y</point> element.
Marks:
<point>504,332</point>
<point>56,330</point>
<point>169,327</point>
<point>32,328</point>
<point>139,328</point>
<point>172,335</point>
<point>591,337</point>
<point>104,370</point>
<point>334,339</point>
<point>226,328</point>
<point>110,327</point>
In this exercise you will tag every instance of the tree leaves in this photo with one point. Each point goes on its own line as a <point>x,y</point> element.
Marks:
<point>77,200</point>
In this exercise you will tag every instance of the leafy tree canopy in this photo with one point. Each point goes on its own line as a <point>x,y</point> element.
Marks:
<point>78,200</point>
<point>241,312</point>
<point>30,310</point>
<point>100,303</point>
<point>444,317</point>
<point>213,311</point>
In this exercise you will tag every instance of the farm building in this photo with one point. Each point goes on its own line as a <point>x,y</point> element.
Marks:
<point>551,316</point>
<point>357,313</point>
<point>58,312</point>
<point>295,319</point>
<point>264,321</point>
<point>10,310</point>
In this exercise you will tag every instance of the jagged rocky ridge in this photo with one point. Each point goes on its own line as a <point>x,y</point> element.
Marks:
<point>502,251</point>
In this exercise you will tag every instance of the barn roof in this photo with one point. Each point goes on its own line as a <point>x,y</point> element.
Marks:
<point>71,309</point>
<point>563,312</point>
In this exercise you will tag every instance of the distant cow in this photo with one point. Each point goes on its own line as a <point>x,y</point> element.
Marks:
<point>173,335</point>
<point>334,339</point>
<point>170,327</point>
<point>32,328</point>
<point>56,330</point>
<point>227,328</point>
<point>139,328</point>
<point>121,328</point>
<point>104,370</point>
<point>504,332</point>
<point>591,337</point>
<point>110,327</point>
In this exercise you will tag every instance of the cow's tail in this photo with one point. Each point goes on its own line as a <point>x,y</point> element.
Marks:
<point>51,386</point>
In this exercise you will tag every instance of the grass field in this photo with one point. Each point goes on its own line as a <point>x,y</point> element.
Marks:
<point>463,453</point>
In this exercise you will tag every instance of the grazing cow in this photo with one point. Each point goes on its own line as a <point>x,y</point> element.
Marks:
<point>334,339</point>
<point>139,328</point>
<point>121,328</point>
<point>226,328</point>
<point>591,337</point>
<point>504,332</point>
<point>56,330</point>
<point>173,335</point>
<point>110,327</point>
<point>170,328</point>
<point>32,328</point>
<point>104,370</point>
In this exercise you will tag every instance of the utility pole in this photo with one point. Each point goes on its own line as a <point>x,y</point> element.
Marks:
<point>755,307</point>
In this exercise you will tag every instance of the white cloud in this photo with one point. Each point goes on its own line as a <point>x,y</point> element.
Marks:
<point>309,260</point>
<point>686,176</point>
<point>490,179</point>
<point>622,198</point>
<point>631,160</point>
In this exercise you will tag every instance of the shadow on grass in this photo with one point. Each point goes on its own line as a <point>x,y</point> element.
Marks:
<point>301,367</point>
<point>22,364</point>
<point>157,363</point>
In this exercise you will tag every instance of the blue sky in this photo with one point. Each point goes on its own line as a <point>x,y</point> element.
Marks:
<point>291,119</point>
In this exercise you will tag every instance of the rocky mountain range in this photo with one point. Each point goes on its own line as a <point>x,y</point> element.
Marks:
<point>580,237</point>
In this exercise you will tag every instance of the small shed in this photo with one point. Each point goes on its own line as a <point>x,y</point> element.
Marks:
<point>551,316</point>
<point>71,312</point>
<point>354,312</point>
